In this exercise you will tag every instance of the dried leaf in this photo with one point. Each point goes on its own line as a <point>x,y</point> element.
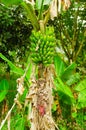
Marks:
<point>66,4</point>
<point>20,88</point>
<point>53,9</point>
<point>18,103</point>
<point>59,6</point>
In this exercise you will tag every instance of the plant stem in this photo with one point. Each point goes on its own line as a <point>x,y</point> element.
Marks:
<point>41,13</point>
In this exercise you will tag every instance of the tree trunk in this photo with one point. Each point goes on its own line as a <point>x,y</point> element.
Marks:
<point>41,99</point>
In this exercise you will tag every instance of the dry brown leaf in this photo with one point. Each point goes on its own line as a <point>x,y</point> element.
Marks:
<point>20,83</point>
<point>53,9</point>
<point>66,4</point>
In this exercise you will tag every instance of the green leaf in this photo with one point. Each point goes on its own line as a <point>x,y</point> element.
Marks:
<point>59,65</point>
<point>12,66</point>
<point>17,70</point>
<point>47,2</point>
<point>85,117</point>
<point>74,114</point>
<point>81,105</point>
<point>4,86</point>
<point>82,96</point>
<point>64,92</point>
<point>54,107</point>
<point>61,70</point>
<point>73,79</point>
<point>2,95</point>
<point>39,3</point>
<point>81,89</point>
<point>29,70</point>
<point>11,2</point>
<point>81,86</point>
<point>20,124</point>
<point>22,98</point>
<point>31,15</point>
<point>68,71</point>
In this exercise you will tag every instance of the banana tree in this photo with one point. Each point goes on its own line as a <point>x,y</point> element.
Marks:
<point>42,51</point>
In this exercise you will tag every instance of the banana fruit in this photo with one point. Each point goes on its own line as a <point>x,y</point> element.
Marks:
<point>42,46</point>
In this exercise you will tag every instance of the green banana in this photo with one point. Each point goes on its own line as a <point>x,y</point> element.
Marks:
<point>42,46</point>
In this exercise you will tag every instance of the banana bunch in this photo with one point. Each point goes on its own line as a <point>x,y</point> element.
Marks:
<point>43,46</point>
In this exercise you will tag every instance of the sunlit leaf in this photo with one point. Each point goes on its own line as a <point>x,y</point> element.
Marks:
<point>85,117</point>
<point>31,15</point>
<point>29,70</point>
<point>22,98</point>
<point>81,89</point>
<point>64,92</point>
<point>59,65</point>
<point>81,105</point>
<point>47,2</point>
<point>61,70</point>
<point>74,114</point>
<point>81,86</point>
<point>68,71</point>
<point>39,3</point>
<point>20,124</point>
<point>12,66</point>
<point>73,79</point>
<point>11,2</point>
<point>54,107</point>
<point>4,86</point>
<point>82,96</point>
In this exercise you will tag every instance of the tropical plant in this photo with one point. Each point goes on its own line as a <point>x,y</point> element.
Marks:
<point>70,88</point>
<point>40,93</point>
<point>45,70</point>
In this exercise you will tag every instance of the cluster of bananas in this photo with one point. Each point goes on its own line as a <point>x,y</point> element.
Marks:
<point>43,46</point>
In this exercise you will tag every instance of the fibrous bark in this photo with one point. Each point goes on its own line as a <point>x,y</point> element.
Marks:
<point>41,99</point>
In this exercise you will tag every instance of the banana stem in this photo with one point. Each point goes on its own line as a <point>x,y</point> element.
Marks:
<point>42,28</point>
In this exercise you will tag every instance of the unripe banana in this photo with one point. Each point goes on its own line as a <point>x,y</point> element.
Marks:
<point>42,46</point>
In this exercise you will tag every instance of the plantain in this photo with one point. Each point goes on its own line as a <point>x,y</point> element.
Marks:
<point>42,46</point>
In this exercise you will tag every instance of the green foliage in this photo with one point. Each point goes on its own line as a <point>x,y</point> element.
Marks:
<point>31,15</point>
<point>4,86</point>
<point>39,3</point>
<point>11,2</point>
<point>16,69</point>
<point>17,122</point>
<point>74,78</point>
<point>68,71</point>
<point>40,6</point>
<point>81,86</point>
<point>59,65</point>
<point>62,70</point>
<point>81,89</point>
<point>12,66</point>
<point>66,82</point>
<point>63,73</point>
<point>64,92</point>
<point>15,30</point>
<point>20,123</point>
<point>70,34</point>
